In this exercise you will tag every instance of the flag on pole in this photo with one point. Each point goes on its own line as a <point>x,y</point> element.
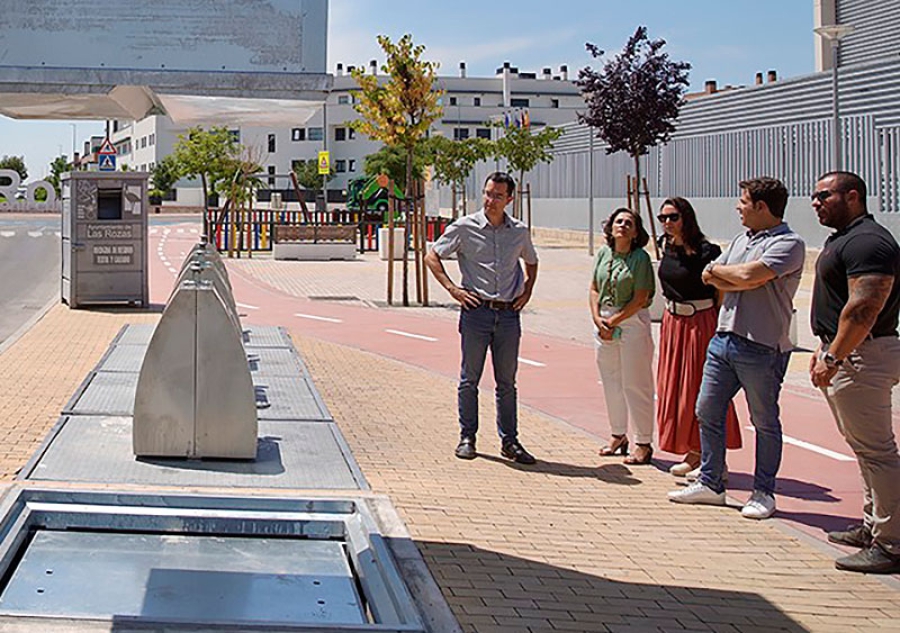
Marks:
<point>526,119</point>
<point>506,120</point>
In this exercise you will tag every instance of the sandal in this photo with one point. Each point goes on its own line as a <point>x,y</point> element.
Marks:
<point>642,455</point>
<point>619,444</point>
<point>691,461</point>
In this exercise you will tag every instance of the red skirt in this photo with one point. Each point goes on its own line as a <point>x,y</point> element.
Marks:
<point>682,351</point>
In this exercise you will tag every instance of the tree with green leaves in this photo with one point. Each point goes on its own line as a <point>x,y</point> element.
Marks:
<point>58,167</point>
<point>391,160</point>
<point>453,161</point>
<point>634,101</point>
<point>398,111</point>
<point>308,175</point>
<point>206,154</point>
<point>523,149</point>
<point>165,174</point>
<point>17,164</point>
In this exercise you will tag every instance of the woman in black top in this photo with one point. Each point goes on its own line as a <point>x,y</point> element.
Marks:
<point>688,324</point>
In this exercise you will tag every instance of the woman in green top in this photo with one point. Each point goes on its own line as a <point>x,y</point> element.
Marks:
<point>622,289</point>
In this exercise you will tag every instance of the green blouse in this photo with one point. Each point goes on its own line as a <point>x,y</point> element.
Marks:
<point>618,276</point>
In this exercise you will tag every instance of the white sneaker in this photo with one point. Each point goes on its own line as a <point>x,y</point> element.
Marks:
<point>694,475</point>
<point>698,493</point>
<point>760,506</point>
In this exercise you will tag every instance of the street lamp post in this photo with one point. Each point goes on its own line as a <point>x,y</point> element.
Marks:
<point>834,33</point>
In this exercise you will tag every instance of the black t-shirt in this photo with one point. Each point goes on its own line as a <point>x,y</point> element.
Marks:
<point>679,273</point>
<point>863,247</point>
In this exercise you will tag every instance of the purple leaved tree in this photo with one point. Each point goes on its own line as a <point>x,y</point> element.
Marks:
<point>633,102</point>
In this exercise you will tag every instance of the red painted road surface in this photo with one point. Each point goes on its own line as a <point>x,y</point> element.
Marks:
<point>816,492</point>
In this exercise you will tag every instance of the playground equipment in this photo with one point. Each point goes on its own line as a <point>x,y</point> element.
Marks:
<point>370,194</point>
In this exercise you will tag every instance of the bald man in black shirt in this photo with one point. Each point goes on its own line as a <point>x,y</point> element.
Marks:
<point>856,300</point>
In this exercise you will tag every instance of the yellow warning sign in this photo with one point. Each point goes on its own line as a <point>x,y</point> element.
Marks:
<point>324,163</point>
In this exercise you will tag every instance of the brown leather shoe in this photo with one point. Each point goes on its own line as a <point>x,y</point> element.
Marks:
<point>874,560</point>
<point>854,536</point>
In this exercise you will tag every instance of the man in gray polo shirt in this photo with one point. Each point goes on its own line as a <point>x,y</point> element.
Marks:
<point>489,245</point>
<point>759,274</point>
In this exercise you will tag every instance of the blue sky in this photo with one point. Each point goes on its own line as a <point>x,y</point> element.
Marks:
<point>725,40</point>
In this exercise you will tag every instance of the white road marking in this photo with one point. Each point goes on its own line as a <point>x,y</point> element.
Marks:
<point>154,231</point>
<point>533,363</point>
<point>420,337</point>
<point>313,317</point>
<point>35,233</point>
<point>195,231</point>
<point>180,231</point>
<point>812,447</point>
<point>173,271</point>
<point>246,307</point>
<point>7,233</point>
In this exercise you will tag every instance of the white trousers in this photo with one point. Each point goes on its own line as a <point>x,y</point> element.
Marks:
<point>626,372</point>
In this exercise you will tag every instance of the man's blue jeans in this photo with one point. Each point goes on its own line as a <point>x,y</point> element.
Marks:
<point>732,363</point>
<point>480,329</point>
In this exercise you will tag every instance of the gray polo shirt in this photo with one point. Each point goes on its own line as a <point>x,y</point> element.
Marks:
<point>489,256</point>
<point>763,314</point>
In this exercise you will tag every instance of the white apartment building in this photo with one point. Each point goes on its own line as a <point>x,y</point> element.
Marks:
<point>470,103</point>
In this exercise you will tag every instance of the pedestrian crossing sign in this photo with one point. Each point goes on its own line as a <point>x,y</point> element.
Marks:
<point>324,164</point>
<point>106,162</point>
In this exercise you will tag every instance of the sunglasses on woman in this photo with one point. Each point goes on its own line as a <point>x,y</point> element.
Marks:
<point>668,217</point>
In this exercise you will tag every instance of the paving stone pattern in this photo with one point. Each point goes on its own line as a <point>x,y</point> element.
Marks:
<point>573,543</point>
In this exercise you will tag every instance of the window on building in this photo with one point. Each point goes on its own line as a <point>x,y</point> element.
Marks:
<point>152,166</point>
<point>340,165</point>
<point>351,133</point>
<point>351,165</point>
<point>152,140</point>
<point>297,163</point>
<point>554,103</point>
<point>235,135</point>
<point>519,103</point>
<point>115,126</point>
<point>343,99</point>
<point>483,132</point>
<point>460,133</point>
<point>315,134</point>
<point>340,134</point>
<point>271,143</point>
<point>271,170</point>
<point>298,134</point>
<point>143,142</point>
<point>452,101</point>
<point>476,101</point>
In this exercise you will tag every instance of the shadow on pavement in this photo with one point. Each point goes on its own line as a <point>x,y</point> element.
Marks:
<point>492,591</point>
<point>153,308</point>
<point>824,522</point>
<point>609,473</point>
<point>785,487</point>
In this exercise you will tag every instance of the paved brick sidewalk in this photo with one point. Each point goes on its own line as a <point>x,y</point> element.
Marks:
<point>565,545</point>
<point>41,371</point>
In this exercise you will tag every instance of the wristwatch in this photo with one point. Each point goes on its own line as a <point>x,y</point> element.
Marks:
<point>831,360</point>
